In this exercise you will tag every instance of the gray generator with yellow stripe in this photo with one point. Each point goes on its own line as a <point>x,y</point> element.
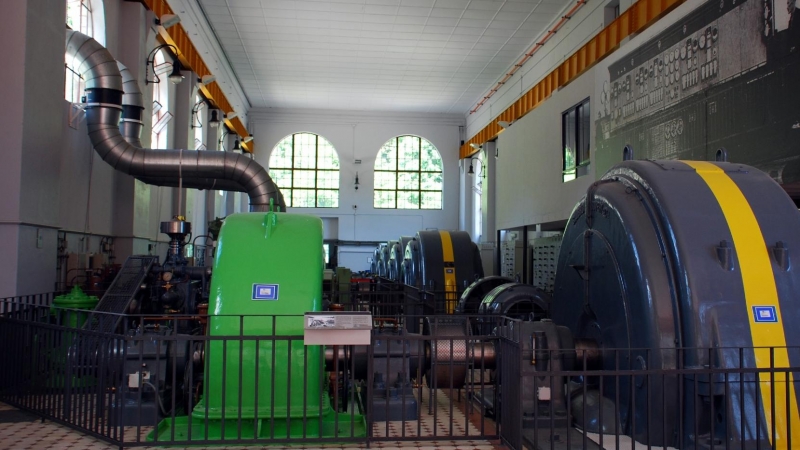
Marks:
<point>397,250</point>
<point>438,266</point>
<point>687,265</point>
<point>442,262</point>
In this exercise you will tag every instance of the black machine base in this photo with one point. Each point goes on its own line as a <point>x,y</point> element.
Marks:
<point>131,411</point>
<point>400,404</point>
<point>557,439</point>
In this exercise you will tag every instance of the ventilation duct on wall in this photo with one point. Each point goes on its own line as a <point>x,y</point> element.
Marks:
<point>132,107</point>
<point>111,95</point>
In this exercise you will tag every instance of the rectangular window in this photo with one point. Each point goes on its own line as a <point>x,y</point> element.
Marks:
<point>74,86</point>
<point>610,12</point>
<point>575,134</point>
<point>198,119</point>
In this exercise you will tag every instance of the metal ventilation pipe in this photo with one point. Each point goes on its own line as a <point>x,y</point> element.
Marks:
<point>131,128</point>
<point>132,106</point>
<point>105,87</point>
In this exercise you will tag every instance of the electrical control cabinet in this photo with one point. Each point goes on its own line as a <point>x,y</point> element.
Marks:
<point>544,260</point>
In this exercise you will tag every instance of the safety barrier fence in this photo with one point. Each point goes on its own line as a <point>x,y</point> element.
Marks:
<point>8,304</point>
<point>672,398</point>
<point>381,297</point>
<point>258,384</point>
<point>388,299</point>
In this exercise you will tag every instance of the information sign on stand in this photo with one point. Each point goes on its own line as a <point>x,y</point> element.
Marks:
<point>337,328</point>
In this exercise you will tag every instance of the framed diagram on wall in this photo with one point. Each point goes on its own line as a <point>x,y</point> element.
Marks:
<point>723,76</point>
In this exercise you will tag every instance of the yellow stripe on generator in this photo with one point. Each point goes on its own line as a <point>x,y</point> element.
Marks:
<point>761,297</point>
<point>450,285</point>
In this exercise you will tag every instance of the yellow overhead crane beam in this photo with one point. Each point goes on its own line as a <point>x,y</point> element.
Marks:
<point>190,58</point>
<point>639,16</point>
<point>636,18</point>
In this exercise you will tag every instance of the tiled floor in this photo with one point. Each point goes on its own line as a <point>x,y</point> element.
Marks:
<point>21,431</point>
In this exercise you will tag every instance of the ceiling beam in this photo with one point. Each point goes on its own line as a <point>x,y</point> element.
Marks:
<point>639,16</point>
<point>190,58</point>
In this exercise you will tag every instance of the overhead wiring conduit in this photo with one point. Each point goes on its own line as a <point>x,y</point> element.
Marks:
<point>113,94</point>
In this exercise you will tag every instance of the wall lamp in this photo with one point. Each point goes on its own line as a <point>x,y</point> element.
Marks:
<point>248,139</point>
<point>213,122</point>
<point>475,146</point>
<point>168,20</point>
<point>471,170</point>
<point>175,77</point>
<point>504,124</point>
<point>206,80</point>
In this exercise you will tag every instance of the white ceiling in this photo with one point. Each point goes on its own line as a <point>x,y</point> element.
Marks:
<point>438,56</point>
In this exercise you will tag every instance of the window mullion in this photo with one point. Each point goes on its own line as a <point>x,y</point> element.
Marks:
<point>419,173</point>
<point>291,176</point>
<point>398,170</point>
<point>308,181</point>
<point>577,137</point>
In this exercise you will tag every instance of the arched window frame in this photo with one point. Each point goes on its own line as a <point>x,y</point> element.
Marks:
<point>88,17</point>
<point>159,137</point>
<point>306,182</point>
<point>222,143</point>
<point>406,181</point>
<point>198,114</point>
<point>478,178</point>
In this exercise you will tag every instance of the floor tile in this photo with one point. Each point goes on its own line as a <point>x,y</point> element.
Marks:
<point>37,435</point>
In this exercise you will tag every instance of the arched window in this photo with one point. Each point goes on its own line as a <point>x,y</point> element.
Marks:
<point>161,114</point>
<point>478,177</point>
<point>222,141</point>
<point>79,16</point>
<point>85,16</point>
<point>408,174</point>
<point>305,166</point>
<point>198,119</point>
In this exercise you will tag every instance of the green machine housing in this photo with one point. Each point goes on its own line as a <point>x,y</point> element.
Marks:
<point>267,274</point>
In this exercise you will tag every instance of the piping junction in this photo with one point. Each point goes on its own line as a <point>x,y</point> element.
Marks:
<point>113,94</point>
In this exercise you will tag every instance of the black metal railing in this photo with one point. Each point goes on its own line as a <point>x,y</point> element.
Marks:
<point>8,304</point>
<point>386,299</point>
<point>431,301</point>
<point>252,380</point>
<point>145,385</point>
<point>381,297</point>
<point>684,398</point>
<point>449,376</point>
